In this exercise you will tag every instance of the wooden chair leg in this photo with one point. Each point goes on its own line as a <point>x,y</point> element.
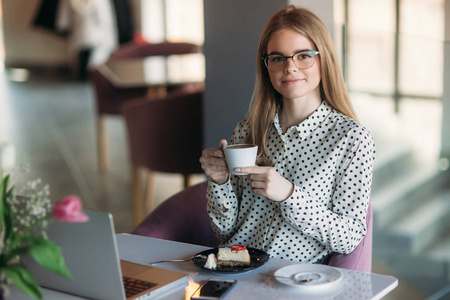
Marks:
<point>137,194</point>
<point>150,190</point>
<point>102,143</point>
<point>188,181</point>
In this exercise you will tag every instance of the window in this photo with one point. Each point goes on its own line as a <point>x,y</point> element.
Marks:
<point>395,48</point>
<point>173,20</point>
<point>371,37</point>
<point>421,48</point>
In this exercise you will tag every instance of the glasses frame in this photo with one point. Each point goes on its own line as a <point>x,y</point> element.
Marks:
<point>314,52</point>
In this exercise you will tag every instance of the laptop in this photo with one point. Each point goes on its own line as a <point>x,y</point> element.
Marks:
<point>91,254</point>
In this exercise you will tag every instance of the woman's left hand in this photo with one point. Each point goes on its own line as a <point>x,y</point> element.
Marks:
<point>265,181</point>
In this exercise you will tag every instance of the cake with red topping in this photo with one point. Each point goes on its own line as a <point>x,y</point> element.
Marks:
<point>236,256</point>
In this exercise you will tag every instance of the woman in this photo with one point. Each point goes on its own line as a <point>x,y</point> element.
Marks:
<point>308,196</point>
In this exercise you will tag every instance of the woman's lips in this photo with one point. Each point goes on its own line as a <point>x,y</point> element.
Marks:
<point>292,81</point>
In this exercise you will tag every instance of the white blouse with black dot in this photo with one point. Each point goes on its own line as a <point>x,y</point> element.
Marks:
<point>329,157</point>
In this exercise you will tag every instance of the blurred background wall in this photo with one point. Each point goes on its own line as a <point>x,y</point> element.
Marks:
<point>26,45</point>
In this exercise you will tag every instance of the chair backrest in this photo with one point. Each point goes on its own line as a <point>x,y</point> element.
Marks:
<point>165,135</point>
<point>109,97</point>
<point>183,218</point>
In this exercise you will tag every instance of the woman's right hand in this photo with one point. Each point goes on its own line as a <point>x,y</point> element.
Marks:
<point>214,164</point>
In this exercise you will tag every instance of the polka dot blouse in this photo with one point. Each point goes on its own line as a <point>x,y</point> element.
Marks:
<point>329,157</point>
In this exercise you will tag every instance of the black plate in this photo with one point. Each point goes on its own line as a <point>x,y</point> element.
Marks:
<point>257,259</point>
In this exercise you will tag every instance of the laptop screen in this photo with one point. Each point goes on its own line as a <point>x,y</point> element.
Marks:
<point>90,253</point>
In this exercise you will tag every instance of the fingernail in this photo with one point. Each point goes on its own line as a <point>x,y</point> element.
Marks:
<point>237,169</point>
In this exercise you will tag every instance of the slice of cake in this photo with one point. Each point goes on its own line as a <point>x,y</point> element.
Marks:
<point>236,256</point>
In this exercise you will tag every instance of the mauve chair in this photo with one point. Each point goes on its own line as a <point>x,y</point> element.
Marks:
<point>183,218</point>
<point>361,258</point>
<point>108,97</point>
<point>164,135</point>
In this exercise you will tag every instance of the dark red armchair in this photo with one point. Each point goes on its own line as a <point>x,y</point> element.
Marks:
<point>164,135</point>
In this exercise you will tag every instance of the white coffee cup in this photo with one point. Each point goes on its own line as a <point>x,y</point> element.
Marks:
<point>240,155</point>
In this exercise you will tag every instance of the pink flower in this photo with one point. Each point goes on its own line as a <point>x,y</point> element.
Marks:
<point>69,210</point>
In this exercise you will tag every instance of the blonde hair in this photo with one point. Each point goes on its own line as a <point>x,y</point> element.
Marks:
<point>266,100</point>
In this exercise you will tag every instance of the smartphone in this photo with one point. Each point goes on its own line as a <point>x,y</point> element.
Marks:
<point>214,289</point>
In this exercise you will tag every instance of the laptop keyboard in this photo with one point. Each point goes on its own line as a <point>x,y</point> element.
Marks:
<point>134,286</point>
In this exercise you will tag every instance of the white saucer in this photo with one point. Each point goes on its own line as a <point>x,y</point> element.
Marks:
<point>320,277</point>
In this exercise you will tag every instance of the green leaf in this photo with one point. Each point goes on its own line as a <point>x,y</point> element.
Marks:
<point>3,194</point>
<point>48,255</point>
<point>23,279</point>
<point>9,232</point>
<point>5,209</point>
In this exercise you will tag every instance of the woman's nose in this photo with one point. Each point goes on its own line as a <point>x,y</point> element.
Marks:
<point>290,65</point>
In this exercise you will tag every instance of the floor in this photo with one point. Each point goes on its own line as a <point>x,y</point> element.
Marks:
<point>49,118</point>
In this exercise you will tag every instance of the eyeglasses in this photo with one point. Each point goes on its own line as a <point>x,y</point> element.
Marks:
<point>303,60</point>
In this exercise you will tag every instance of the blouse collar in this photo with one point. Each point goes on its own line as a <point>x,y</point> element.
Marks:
<point>305,128</point>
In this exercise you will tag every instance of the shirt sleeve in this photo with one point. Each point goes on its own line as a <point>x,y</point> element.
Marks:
<point>222,208</point>
<point>342,226</point>
<point>223,200</point>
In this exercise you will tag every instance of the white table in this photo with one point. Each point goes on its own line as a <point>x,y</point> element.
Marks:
<point>251,285</point>
<point>155,71</point>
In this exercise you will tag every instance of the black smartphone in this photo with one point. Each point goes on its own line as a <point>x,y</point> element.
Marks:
<point>214,289</point>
